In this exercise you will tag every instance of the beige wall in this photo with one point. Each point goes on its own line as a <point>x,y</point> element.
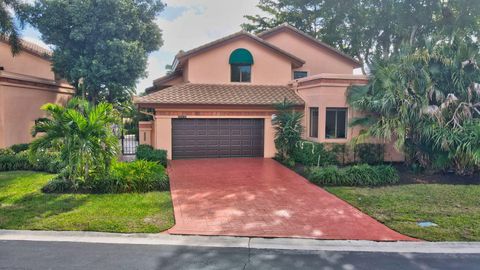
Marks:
<point>25,63</point>
<point>318,59</point>
<point>163,125</point>
<point>212,66</point>
<point>26,83</point>
<point>323,97</point>
<point>331,92</point>
<point>20,107</point>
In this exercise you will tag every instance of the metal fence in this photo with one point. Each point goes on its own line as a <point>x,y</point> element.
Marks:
<point>129,144</point>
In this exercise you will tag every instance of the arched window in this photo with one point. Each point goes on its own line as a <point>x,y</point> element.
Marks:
<point>241,61</point>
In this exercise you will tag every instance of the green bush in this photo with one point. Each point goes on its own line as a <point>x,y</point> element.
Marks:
<point>146,152</point>
<point>328,176</point>
<point>357,175</point>
<point>41,161</point>
<point>370,153</point>
<point>9,161</point>
<point>313,154</point>
<point>58,185</point>
<point>17,148</point>
<point>137,176</point>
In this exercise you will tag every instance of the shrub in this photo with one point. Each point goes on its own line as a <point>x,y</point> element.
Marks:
<point>17,148</point>
<point>357,175</point>
<point>146,152</point>
<point>136,176</point>
<point>139,176</point>
<point>9,161</point>
<point>370,153</point>
<point>41,161</point>
<point>313,154</point>
<point>57,185</point>
<point>328,176</point>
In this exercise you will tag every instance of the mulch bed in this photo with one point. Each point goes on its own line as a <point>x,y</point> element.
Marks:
<point>409,177</point>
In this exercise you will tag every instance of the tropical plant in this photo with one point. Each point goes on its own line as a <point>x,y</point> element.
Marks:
<point>8,29</point>
<point>288,128</point>
<point>146,152</point>
<point>356,175</point>
<point>83,134</point>
<point>428,101</point>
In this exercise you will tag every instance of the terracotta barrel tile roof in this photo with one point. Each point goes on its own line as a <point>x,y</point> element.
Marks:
<point>222,94</point>
<point>31,48</point>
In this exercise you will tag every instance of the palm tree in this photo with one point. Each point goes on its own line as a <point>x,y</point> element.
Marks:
<point>83,134</point>
<point>428,101</point>
<point>8,29</point>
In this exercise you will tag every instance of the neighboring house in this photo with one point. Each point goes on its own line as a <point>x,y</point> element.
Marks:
<point>26,83</point>
<point>218,100</point>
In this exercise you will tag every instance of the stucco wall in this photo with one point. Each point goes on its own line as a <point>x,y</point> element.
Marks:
<point>20,107</point>
<point>212,66</point>
<point>333,95</point>
<point>318,60</point>
<point>25,63</point>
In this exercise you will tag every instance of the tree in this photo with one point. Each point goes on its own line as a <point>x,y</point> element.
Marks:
<point>428,101</point>
<point>83,133</point>
<point>367,29</point>
<point>100,46</point>
<point>8,29</point>
<point>288,129</point>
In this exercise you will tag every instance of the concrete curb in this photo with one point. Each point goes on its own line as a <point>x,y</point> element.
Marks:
<point>243,242</point>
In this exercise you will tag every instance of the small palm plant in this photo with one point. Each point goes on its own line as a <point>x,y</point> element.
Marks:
<point>288,128</point>
<point>82,133</point>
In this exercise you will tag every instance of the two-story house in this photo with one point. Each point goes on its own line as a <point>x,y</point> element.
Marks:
<point>26,83</point>
<point>218,100</point>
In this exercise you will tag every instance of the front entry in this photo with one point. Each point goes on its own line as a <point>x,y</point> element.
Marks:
<point>217,138</point>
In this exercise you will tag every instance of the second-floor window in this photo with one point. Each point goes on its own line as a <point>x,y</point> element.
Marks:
<point>241,61</point>
<point>241,73</point>
<point>299,74</point>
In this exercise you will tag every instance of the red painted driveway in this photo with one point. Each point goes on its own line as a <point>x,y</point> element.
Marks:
<point>260,198</point>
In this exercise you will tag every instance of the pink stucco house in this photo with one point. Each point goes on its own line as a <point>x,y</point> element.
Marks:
<point>26,83</point>
<point>218,100</point>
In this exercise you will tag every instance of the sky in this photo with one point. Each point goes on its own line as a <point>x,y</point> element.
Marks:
<point>186,24</point>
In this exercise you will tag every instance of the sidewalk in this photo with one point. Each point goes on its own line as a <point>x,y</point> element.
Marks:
<point>244,242</point>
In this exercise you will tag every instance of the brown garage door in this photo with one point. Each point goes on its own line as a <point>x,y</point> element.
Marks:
<point>213,138</point>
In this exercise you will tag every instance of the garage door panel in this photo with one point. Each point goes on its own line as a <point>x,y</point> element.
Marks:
<point>197,138</point>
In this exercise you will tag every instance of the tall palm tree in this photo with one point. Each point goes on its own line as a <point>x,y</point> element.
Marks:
<point>84,135</point>
<point>8,29</point>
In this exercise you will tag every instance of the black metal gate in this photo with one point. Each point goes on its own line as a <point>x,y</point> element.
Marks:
<point>129,144</point>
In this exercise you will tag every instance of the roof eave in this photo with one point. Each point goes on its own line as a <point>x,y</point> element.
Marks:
<point>181,57</point>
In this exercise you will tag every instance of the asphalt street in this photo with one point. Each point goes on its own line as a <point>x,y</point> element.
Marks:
<point>68,255</point>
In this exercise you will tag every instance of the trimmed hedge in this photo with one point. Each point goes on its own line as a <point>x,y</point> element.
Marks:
<point>357,175</point>
<point>43,161</point>
<point>136,176</point>
<point>146,152</point>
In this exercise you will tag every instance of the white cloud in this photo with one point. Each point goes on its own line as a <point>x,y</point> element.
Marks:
<point>202,22</point>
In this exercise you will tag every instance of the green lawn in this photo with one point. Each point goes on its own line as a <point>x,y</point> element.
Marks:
<point>455,208</point>
<point>24,206</point>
